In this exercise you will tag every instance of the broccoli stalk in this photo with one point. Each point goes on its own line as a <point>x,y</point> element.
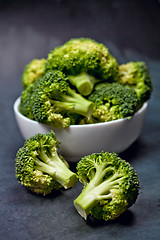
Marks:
<point>111,186</point>
<point>83,82</point>
<point>97,190</point>
<point>56,168</point>
<point>74,103</point>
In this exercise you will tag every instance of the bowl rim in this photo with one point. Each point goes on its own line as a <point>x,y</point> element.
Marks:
<point>17,112</point>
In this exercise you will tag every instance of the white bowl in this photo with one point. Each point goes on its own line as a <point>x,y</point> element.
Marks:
<point>80,140</point>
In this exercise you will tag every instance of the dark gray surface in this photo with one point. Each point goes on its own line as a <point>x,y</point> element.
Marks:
<point>30,29</point>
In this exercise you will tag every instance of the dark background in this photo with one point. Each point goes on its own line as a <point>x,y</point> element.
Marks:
<point>30,29</point>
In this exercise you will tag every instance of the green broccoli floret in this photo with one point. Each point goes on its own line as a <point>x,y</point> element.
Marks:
<point>25,106</point>
<point>39,167</point>
<point>32,71</point>
<point>111,186</point>
<point>55,103</point>
<point>136,75</point>
<point>85,61</point>
<point>113,101</point>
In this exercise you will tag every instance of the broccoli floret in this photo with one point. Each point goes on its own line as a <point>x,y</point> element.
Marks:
<point>55,103</point>
<point>111,186</point>
<point>136,75</point>
<point>32,71</point>
<point>25,106</point>
<point>39,167</point>
<point>86,57</point>
<point>113,101</point>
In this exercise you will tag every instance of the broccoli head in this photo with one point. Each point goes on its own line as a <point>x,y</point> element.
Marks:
<point>32,71</point>
<point>111,186</point>
<point>55,103</point>
<point>113,101</point>
<point>136,75</point>
<point>39,167</point>
<point>85,61</point>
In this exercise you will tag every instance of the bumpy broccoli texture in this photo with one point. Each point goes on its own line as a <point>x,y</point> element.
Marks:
<point>25,106</point>
<point>80,82</point>
<point>32,71</point>
<point>39,167</point>
<point>112,101</point>
<point>54,102</point>
<point>85,61</point>
<point>136,75</point>
<point>111,186</point>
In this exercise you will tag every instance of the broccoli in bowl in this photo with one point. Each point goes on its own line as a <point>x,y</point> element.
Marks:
<point>85,62</point>
<point>81,82</point>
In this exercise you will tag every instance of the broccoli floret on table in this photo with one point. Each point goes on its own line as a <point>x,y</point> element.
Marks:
<point>32,71</point>
<point>111,186</point>
<point>39,167</point>
<point>85,62</point>
<point>136,75</point>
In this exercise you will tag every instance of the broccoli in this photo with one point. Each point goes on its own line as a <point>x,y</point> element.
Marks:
<point>112,101</point>
<point>39,167</point>
<point>85,62</point>
<point>55,103</point>
<point>83,82</point>
<point>32,71</point>
<point>111,186</point>
<point>25,106</point>
<point>136,75</point>
<point>45,113</point>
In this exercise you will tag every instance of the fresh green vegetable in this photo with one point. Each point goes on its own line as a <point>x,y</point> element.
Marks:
<point>39,167</point>
<point>32,71</point>
<point>111,186</point>
<point>51,100</point>
<point>83,82</point>
<point>112,101</point>
<point>25,106</point>
<point>85,61</point>
<point>55,103</point>
<point>136,75</point>
<point>106,91</point>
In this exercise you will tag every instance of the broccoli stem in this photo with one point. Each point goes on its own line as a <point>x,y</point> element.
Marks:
<point>62,106</point>
<point>83,82</point>
<point>75,103</point>
<point>56,168</point>
<point>96,190</point>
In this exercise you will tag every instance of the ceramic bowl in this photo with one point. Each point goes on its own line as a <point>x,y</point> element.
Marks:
<point>80,140</point>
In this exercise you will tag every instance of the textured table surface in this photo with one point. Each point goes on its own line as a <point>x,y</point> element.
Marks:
<point>30,29</point>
